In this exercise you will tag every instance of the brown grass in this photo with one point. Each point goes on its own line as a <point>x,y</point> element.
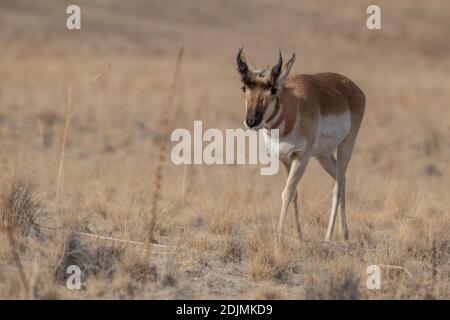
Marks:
<point>20,206</point>
<point>19,211</point>
<point>217,222</point>
<point>17,261</point>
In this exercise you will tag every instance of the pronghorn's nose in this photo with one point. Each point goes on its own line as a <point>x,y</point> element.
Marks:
<point>251,122</point>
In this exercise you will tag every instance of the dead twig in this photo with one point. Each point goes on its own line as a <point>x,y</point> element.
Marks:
<point>92,235</point>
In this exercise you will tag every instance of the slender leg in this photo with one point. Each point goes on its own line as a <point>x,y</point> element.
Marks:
<point>344,154</point>
<point>296,171</point>
<point>287,165</point>
<point>328,163</point>
<point>334,208</point>
<point>342,217</point>
<point>297,217</point>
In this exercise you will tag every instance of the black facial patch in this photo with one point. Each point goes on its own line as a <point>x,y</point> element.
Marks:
<point>273,90</point>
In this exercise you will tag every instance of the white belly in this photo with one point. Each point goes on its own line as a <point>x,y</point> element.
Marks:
<point>331,131</point>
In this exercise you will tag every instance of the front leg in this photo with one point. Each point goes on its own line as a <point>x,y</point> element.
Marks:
<point>296,171</point>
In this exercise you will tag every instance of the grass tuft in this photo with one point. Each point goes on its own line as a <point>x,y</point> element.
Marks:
<point>20,207</point>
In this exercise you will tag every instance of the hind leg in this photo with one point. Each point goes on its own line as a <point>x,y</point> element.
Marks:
<point>328,163</point>
<point>344,153</point>
<point>334,204</point>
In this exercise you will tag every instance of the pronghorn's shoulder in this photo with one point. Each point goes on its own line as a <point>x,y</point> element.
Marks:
<point>299,83</point>
<point>334,93</point>
<point>313,84</point>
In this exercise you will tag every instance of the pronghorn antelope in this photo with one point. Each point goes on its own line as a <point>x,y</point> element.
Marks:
<point>316,115</point>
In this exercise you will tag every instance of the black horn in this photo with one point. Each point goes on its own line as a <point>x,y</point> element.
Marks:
<point>242,66</point>
<point>276,70</point>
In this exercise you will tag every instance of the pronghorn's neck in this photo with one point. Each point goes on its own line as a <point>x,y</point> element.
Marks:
<point>274,116</point>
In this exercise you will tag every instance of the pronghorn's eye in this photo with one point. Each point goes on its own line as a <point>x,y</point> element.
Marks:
<point>243,88</point>
<point>273,90</point>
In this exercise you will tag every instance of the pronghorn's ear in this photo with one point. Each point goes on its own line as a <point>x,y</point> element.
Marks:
<point>244,66</point>
<point>284,73</point>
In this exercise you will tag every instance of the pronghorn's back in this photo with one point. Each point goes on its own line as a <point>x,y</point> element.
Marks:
<point>331,93</point>
<point>319,111</point>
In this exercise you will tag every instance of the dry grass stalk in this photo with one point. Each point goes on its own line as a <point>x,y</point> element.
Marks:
<point>16,256</point>
<point>68,117</point>
<point>70,109</point>
<point>161,158</point>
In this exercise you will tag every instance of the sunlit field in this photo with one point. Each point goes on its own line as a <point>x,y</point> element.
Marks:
<point>83,116</point>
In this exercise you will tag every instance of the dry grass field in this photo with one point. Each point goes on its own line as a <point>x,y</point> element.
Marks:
<point>215,224</point>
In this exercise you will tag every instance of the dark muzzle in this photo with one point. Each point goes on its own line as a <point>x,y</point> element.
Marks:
<point>254,119</point>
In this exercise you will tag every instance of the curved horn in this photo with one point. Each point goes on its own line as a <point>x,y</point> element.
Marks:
<point>276,70</point>
<point>291,59</point>
<point>242,66</point>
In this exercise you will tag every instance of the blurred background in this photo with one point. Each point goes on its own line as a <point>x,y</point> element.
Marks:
<point>403,68</point>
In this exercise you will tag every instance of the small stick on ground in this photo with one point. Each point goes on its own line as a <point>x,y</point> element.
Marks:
<point>388,266</point>
<point>97,236</point>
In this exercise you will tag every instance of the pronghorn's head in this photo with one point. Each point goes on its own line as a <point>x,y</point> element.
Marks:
<point>261,88</point>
